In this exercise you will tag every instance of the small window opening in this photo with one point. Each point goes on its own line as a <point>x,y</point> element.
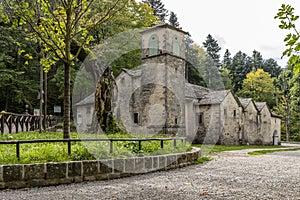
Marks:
<point>136,118</point>
<point>88,109</point>
<point>200,118</point>
<point>176,121</point>
<point>234,114</point>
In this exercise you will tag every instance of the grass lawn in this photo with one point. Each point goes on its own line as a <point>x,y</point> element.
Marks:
<point>212,149</point>
<point>57,152</point>
<point>208,150</point>
<point>262,152</point>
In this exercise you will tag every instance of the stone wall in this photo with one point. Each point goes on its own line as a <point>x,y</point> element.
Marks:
<point>36,175</point>
<point>230,121</point>
<point>250,124</point>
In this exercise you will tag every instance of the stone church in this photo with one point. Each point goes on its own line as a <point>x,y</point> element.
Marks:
<point>157,99</point>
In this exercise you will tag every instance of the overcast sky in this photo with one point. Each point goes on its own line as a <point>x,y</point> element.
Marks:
<point>237,24</point>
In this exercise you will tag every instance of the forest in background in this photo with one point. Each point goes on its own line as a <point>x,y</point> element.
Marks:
<point>250,76</point>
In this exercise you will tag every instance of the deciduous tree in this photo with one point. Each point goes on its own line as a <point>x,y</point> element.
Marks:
<point>259,85</point>
<point>288,21</point>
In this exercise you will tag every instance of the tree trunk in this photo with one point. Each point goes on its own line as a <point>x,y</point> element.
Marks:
<point>67,101</point>
<point>103,104</point>
<point>288,120</point>
<point>68,64</point>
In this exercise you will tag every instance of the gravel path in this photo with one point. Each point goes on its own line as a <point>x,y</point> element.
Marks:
<point>231,175</point>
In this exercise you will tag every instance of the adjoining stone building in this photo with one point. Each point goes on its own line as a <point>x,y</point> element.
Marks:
<point>157,99</point>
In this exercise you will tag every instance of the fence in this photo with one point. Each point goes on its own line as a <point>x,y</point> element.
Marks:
<point>111,140</point>
<point>14,123</point>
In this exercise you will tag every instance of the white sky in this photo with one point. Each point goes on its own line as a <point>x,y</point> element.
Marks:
<point>237,24</point>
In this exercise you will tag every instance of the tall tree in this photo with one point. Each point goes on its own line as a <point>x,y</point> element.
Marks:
<point>212,49</point>
<point>295,105</point>
<point>195,57</point>
<point>288,21</point>
<point>56,25</point>
<point>227,60</point>
<point>284,83</point>
<point>271,66</point>
<point>239,68</point>
<point>257,60</point>
<point>18,70</point>
<point>158,9</point>
<point>259,86</point>
<point>173,20</point>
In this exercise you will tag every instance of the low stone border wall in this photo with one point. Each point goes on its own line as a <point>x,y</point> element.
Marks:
<point>35,175</point>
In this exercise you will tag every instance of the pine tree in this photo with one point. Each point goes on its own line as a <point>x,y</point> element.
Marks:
<point>240,67</point>
<point>173,20</point>
<point>227,60</point>
<point>257,60</point>
<point>158,9</point>
<point>212,49</point>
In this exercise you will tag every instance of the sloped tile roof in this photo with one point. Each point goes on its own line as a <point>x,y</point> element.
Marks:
<point>214,97</point>
<point>133,72</point>
<point>245,101</point>
<point>260,105</point>
<point>195,91</point>
<point>88,100</point>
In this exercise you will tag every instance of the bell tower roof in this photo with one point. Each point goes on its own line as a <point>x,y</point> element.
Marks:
<point>164,25</point>
<point>162,39</point>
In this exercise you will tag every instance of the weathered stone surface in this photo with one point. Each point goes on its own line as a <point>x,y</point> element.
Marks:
<point>90,167</point>
<point>171,161</point>
<point>155,160</point>
<point>148,164</point>
<point>106,166</point>
<point>114,176</point>
<point>119,165</point>
<point>162,162</point>
<point>129,165</point>
<point>189,157</point>
<point>12,173</point>
<point>56,170</point>
<point>62,173</point>
<point>75,169</point>
<point>100,177</point>
<point>181,158</point>
<point>34,171</point>
<point>15,184</point>
<point>139,165</point>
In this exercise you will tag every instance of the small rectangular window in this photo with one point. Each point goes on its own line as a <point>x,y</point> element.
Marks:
<point>176,121</point>
<point>200,118</point>
<point>88,109</point>
<point>225,113</point>
<point>234,114</point>
<point>136,118</point>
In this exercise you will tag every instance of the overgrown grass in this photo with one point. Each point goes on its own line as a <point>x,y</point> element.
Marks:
<point>262,152</point>
<point>207,149</point>
<point>203,160</point>
<point>57,152</point>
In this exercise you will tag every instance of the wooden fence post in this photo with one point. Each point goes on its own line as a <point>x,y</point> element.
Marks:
<point>111,146</point>
<point>69,147</point>
<point>2,123</point>
<point>161,144</point>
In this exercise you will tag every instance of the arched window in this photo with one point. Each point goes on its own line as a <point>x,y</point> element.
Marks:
<point>176,46</point>
<point>153,45</point>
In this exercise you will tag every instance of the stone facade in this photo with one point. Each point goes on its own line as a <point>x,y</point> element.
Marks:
<point>157,99</point>
<point>84,113</point>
